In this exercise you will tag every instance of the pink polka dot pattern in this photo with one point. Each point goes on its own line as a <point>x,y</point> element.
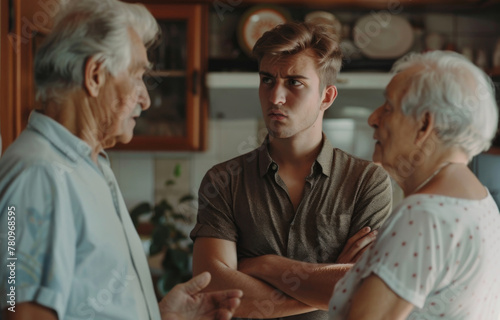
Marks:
<point>439,254</point>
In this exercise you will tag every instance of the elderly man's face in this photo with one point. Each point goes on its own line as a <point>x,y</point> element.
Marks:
<point>125,96</point>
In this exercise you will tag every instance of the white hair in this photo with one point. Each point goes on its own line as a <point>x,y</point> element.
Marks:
<point>84,29</point>
<point>459,95</point>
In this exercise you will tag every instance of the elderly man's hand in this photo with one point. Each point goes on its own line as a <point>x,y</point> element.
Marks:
<point>356,245</point>
<point>185,301</point>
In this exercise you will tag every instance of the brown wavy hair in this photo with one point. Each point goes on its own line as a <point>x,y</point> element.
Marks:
<point>294,37</point>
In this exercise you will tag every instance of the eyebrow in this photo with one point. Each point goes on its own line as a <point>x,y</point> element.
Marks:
<point>387,98</point>
<point>143,66</point>
<point>147,66</point>
<point>291,76</point>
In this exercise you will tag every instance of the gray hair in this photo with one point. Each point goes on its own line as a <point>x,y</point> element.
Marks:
<point>84,29</point>
<point>459,95</point>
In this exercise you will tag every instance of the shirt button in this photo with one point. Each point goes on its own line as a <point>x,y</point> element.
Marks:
<point>274,166</point>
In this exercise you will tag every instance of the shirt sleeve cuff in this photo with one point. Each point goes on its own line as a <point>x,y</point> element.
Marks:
<point>391,280</point>
<point>203,230</point>
<point>43,296</point>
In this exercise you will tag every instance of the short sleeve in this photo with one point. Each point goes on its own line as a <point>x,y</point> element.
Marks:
<point>43,238</point>
<point>411,252</point>
<point>215,210</point>
<point>374,202</point>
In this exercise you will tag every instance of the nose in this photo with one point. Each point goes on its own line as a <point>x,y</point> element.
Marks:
<point>144,99</point>
<point>373,119</point>
<point>277,94</point>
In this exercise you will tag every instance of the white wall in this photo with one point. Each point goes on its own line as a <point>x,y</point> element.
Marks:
<point>141,175</point>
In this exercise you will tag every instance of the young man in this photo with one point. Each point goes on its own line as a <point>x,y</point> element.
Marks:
<point>71,249</point>
<point>284,222</point>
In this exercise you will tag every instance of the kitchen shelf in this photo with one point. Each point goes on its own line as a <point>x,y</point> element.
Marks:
<point>345,80</point>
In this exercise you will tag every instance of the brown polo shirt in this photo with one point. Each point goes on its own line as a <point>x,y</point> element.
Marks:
<point>244,200</point>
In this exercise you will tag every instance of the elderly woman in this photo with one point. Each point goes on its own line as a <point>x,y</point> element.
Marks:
<point>437,254</point>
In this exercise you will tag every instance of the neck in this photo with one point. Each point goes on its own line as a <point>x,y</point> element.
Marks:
<point>75,114</point>
<point>297,150</point>
<point>417,176</point>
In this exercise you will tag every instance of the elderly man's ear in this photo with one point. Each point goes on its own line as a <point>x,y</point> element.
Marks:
<point>95,76</point>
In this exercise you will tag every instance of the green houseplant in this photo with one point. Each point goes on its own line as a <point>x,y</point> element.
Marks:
<point>167,236</point>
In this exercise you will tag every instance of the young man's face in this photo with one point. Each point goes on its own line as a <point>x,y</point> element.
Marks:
<point>290,95</point>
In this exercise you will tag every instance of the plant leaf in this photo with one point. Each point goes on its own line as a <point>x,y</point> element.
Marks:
<point>181,217</point>
<point>158,239</point>
<point>165,205</point>
<point>187,197</point>
<point>176,259</point>
<point>170,278</point>
<point>177,170</point>
<point>159,212</point>
<point>169,182</point>
<point>138,210</point>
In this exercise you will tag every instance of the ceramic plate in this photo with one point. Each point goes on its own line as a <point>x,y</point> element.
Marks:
<point>257,20</point>
<point>383,36</point>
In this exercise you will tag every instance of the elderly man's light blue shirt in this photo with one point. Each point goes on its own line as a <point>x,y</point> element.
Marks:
<point>74,247</point>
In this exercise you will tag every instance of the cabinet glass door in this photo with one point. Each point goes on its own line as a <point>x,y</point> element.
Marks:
<point>176,118</point>
<point>166,84</point>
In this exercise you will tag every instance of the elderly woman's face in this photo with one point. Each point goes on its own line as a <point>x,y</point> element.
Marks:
<point>395,133</point>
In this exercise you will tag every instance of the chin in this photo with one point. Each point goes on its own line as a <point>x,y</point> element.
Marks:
<point>280,133</point>
<point>125,139</point>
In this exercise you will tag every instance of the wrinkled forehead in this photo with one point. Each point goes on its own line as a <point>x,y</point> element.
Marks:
<point>139,58</point>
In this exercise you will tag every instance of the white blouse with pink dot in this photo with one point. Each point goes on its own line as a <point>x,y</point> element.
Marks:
<point>438,253</point>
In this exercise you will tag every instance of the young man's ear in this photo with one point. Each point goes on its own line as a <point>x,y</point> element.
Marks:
<point>329,95</point>
<point>425,128</point>
<point>94,76</point>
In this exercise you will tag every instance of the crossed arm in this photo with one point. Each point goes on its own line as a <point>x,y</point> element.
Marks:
<point>275,286</point>
<point>310,283</point>
<point>260,300</point>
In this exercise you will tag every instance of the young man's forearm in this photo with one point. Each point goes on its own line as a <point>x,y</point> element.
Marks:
<point>260,300</point>
<point>309,283</point>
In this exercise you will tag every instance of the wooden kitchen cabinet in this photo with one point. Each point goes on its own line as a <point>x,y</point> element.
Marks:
<point>22,25</point>
<point>361,4</point>
<point>177,119</point>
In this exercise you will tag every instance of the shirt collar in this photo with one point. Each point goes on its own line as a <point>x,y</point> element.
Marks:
<point>324,159</point>
<point>265,160</point>
<point>60,137</point>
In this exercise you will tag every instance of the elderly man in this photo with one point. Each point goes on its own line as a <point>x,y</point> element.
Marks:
<point>70,247</point>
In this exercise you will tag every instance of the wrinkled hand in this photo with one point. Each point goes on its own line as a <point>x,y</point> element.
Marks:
<point>186,302</point>
<point>356,245</point>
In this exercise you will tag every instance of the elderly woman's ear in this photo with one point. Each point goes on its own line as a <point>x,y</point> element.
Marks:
<point>425,125</point>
